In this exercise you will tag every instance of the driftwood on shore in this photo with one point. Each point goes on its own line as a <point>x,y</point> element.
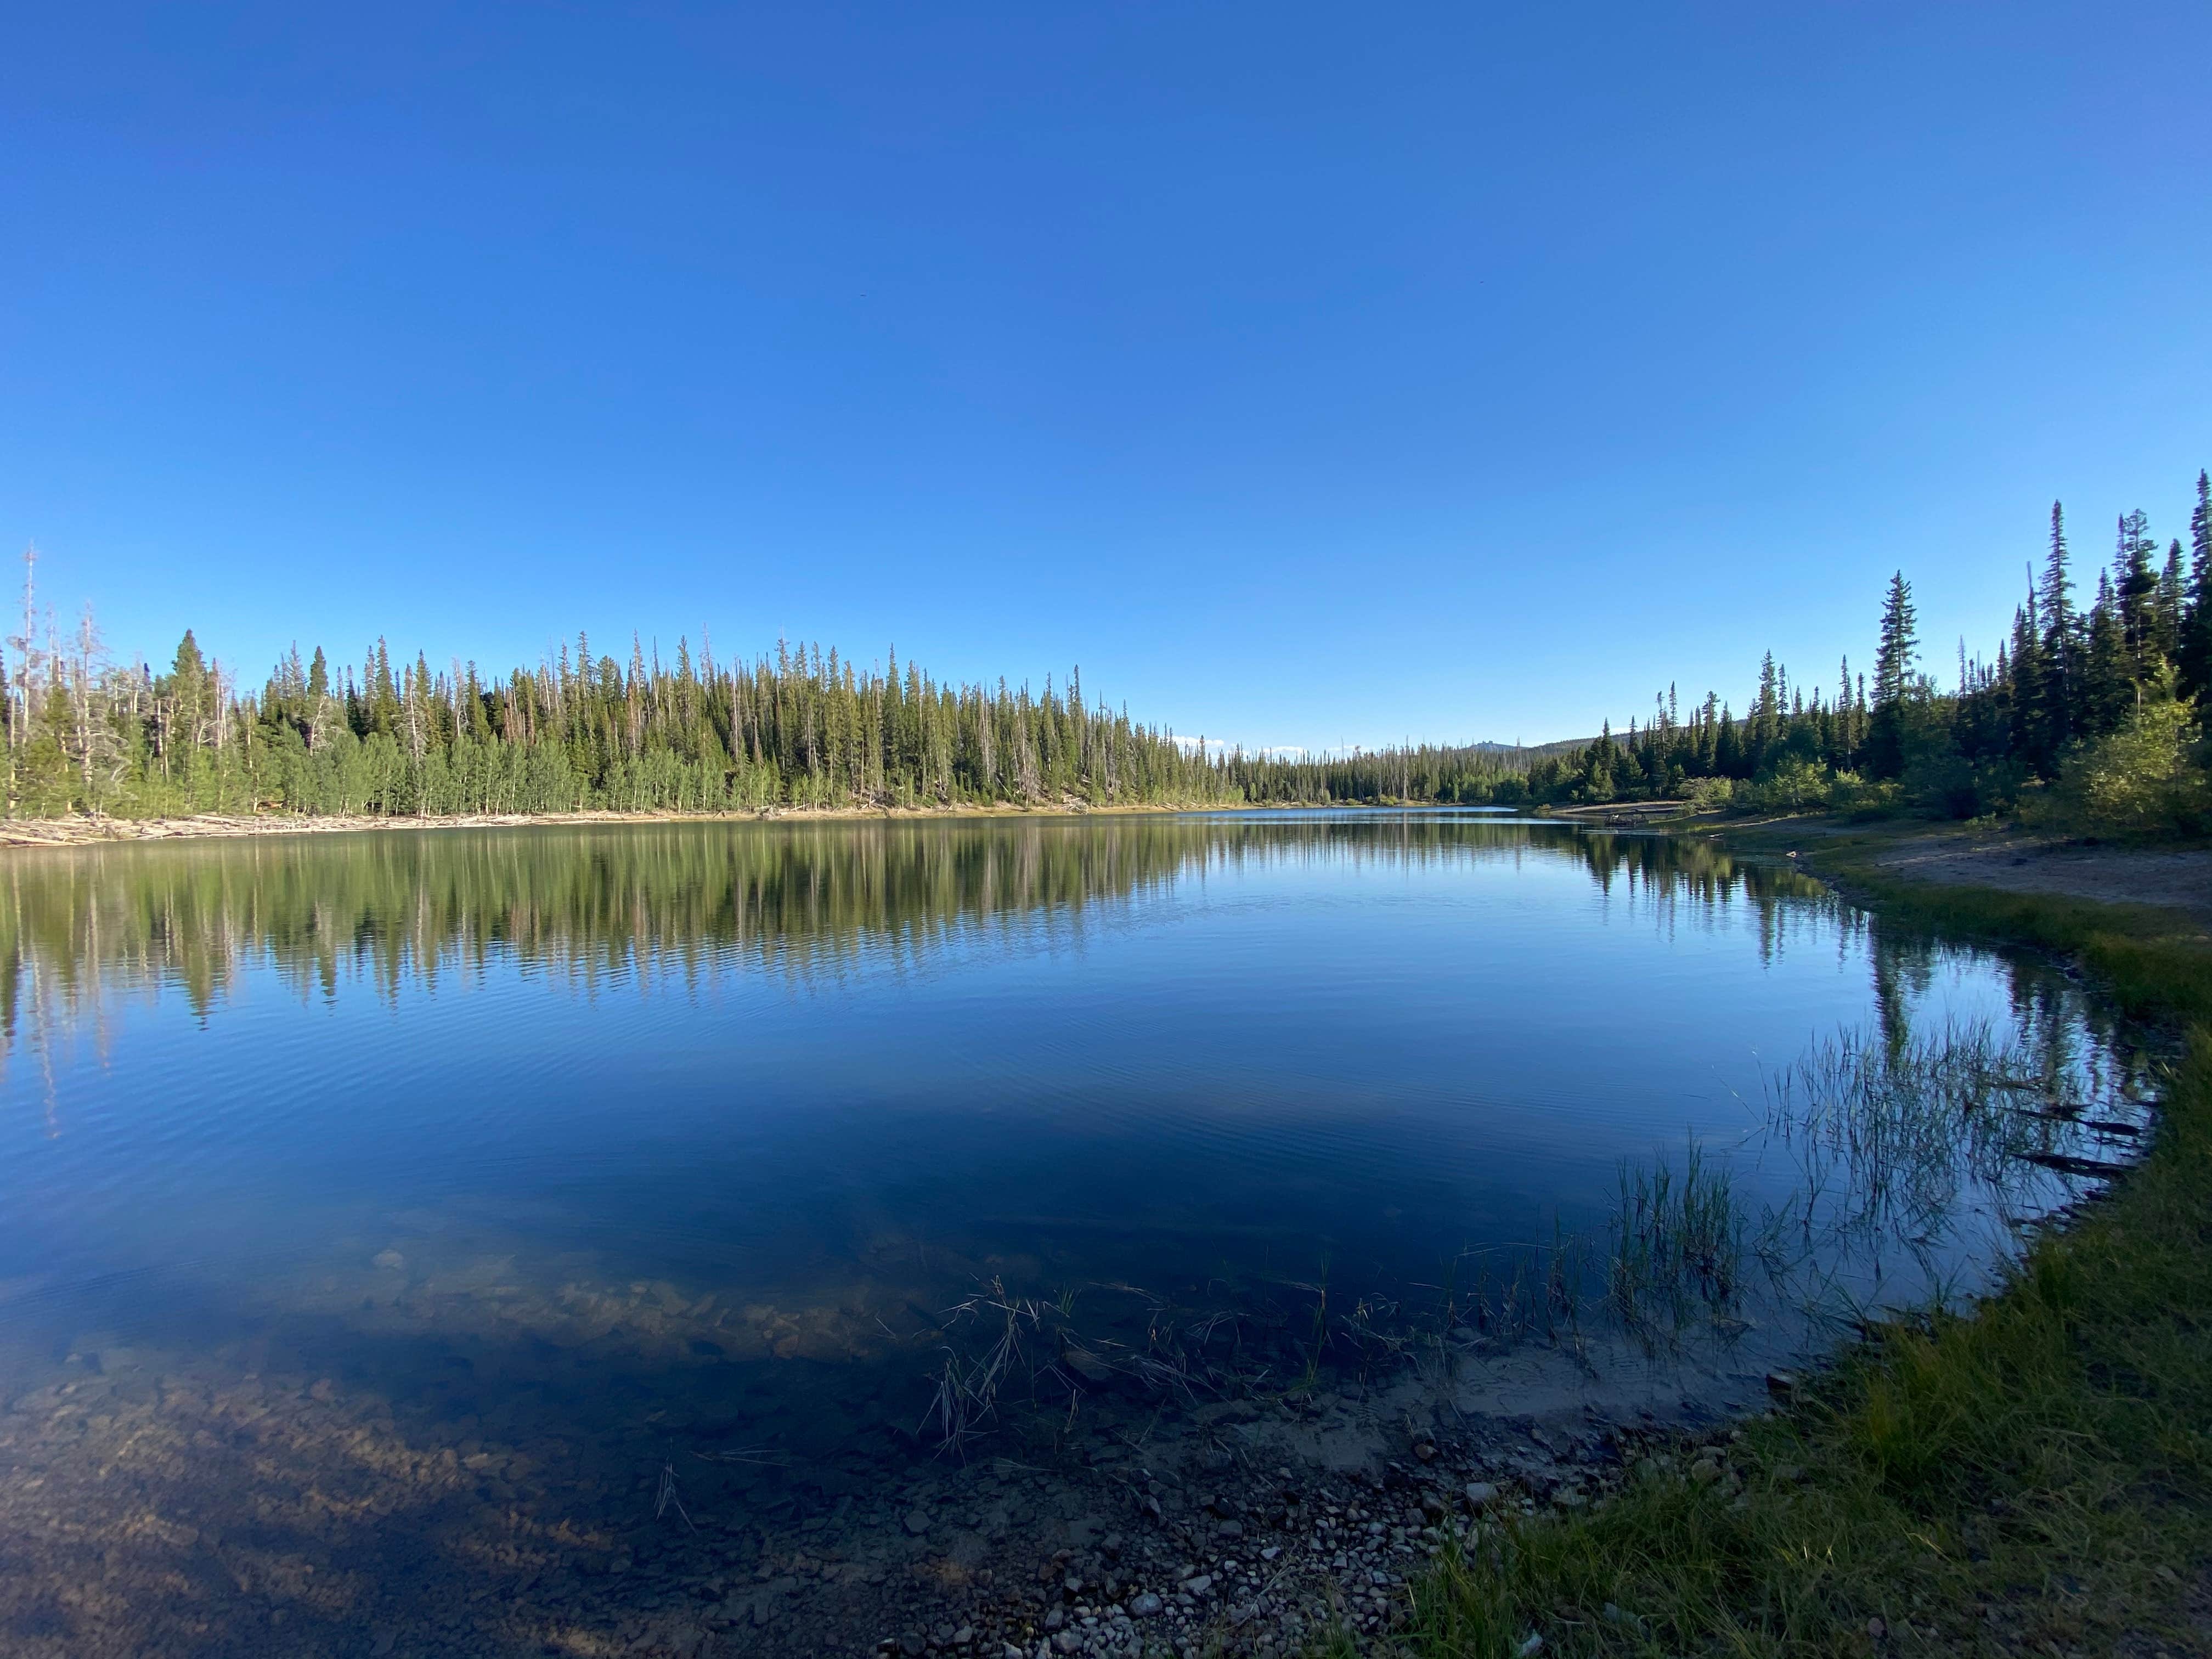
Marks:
<point>1626,811</point>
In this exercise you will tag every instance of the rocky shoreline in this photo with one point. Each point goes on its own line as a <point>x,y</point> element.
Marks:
<point>153,1510</point>
<point>1196,1549</point>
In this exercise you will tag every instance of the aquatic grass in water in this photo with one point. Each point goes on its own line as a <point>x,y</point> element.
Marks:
<point>1677,1241</point>
<point>1898,1142</point>
<point>1036,1341</point>
<point>968,1387</point>
<point>1893,1132</point>
<point>2033,1476</point>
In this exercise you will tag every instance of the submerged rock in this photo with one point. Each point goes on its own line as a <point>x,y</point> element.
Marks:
<point>1087,1365</point>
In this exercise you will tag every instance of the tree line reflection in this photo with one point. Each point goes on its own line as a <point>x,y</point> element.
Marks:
<point>699,900</point>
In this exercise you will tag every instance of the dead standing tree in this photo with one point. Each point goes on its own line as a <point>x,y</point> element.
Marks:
<point>90,741</point>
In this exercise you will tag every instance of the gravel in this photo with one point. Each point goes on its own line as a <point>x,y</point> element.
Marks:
<point>292,1515</point>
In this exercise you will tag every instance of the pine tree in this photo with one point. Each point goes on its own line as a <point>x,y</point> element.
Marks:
<point>1765,708</point>
<point>2108,679</point>
<point>2134,595</point>
<point>2197,605</point>
<point>2060,641</point>
<point>2030,687</point>
<point>2172,586</point>
<point>187,696</point>
<point>381,694</point>
<point>1892,681</point>
<point>1845,741</point>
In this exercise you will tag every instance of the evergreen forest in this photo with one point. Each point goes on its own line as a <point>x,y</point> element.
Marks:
<point>2086,714</point>
<point>2085,717</point>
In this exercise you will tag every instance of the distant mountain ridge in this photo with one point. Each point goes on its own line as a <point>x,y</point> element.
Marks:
<point>1561,746</point>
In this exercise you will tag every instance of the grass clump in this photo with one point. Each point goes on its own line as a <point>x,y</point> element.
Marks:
<point>1677,1241</point>
<point>2032,1476</point>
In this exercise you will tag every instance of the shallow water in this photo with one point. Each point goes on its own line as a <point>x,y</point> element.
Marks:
<point>611,1143</point>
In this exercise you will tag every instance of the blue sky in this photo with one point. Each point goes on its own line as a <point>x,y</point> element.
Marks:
<point>1309,375</point>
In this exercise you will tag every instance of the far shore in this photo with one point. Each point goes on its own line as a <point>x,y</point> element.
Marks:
<point>82,831</point>
<point>2009,859</point>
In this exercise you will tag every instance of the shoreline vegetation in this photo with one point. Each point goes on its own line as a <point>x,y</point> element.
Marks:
<point>2030,1476</point>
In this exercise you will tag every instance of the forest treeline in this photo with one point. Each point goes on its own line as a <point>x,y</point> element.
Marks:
<point>2087,713</point>
<point>575,732</point>
<point>2086,716</point>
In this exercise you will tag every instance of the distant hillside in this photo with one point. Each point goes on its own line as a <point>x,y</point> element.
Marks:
<point>1534,750</point>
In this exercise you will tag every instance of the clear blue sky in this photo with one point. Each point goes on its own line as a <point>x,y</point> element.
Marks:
<point>1308,375</point>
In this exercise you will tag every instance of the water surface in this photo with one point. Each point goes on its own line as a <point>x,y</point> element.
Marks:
<point>618,1144</point>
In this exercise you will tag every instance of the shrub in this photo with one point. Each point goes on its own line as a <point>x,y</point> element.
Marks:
<point>1794,785</point>
<point>2145,779</point>
<point>1709,794</point>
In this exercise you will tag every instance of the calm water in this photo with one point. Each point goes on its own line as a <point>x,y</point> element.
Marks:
<point>550,1132</point>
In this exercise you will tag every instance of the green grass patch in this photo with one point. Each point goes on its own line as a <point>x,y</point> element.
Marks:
<point>1677,1241</point>
<point>2033,1476</point>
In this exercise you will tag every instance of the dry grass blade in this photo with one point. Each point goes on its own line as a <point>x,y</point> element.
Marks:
<point>667,1498</point>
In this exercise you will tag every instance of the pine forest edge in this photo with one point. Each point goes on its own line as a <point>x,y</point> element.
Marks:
<point>2090,705</point>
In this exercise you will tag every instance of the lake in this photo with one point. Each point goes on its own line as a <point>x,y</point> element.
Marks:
<point>624,1181</point>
